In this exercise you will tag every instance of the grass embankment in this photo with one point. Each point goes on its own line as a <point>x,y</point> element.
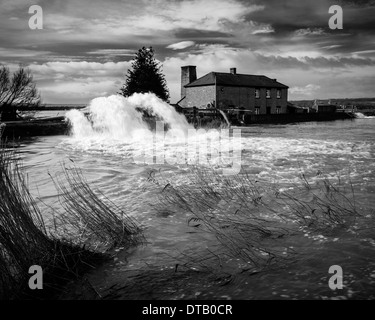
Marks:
<point>80,239</point>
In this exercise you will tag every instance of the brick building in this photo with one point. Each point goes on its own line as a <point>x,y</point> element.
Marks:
<point>258,94</point>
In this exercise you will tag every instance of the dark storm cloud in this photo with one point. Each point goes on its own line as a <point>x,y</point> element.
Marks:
<point>290,15</point>
<point>287,17</point>
<point>317,63</point>
<point>273,35</point>
<point>357,3</point>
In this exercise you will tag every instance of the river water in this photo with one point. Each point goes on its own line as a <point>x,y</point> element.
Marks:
<point>105,147</point>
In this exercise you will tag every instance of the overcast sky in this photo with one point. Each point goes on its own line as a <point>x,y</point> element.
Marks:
<point>86,46</point>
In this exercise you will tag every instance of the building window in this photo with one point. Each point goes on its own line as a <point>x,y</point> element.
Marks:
<point>278,110</point>
<point>257,110</point>
<point>278,94</point>
<point>268,93</point>
<point>257,94</point>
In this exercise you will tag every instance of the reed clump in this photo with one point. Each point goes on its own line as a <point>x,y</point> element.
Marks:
<point>323,205</point>
<point>252,219</point>
<point>90,217</point>
<point>25,240</point>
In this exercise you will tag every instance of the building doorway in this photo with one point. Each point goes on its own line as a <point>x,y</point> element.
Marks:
<point>268,110</point>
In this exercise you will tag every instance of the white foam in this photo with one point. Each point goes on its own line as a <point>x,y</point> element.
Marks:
<point>360,115</point>
<point>116,128</point>
<point>114,125</point>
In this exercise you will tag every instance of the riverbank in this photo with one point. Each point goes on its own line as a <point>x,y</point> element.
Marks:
<point>37,127</point>
<point>202,117</point>
<point>294,117</point>
<point>58,125</point>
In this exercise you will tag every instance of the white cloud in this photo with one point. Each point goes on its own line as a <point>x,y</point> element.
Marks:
<point>78,91</point>
<point>78,81</point>
<point>358,54</point>
<point>263,29</point>
<point>113,52</point>
<point>307,90</point>
<point>309,32</point>
<point>77,68</point>
<point>334,46</point>
<point>181,45</point>
<point>295,50</point>
<point>199,14</point>
<point>159,18</point>
<point>211,48</point>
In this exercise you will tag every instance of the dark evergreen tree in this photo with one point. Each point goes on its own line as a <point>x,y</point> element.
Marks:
<point>145,76</point>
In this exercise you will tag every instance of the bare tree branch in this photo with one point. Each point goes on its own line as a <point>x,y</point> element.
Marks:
<point>18,90</point>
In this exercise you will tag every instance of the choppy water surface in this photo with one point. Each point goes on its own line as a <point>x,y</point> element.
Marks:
<point>273,153</point>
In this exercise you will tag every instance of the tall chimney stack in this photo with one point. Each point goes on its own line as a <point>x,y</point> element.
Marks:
<point>233,70</point>
<point>188,75</point>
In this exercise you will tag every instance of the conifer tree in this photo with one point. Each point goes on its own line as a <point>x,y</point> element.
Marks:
<point>145,76</point>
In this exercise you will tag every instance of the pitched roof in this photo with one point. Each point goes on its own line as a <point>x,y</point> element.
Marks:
<point>235,80</point>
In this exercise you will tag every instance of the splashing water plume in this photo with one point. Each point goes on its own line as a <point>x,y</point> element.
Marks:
<point>116,125</point>
<point>117,118</point>
<point>360,115</point>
